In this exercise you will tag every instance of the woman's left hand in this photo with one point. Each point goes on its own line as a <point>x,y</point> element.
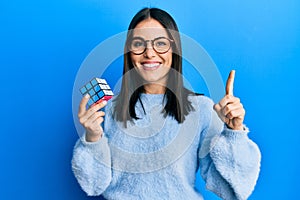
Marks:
<point>230,109</point>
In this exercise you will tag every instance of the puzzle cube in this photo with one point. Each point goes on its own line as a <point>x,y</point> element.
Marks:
<point>98,89</point>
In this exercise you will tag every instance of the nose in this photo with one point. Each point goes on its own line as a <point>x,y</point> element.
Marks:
<point>149,51</point>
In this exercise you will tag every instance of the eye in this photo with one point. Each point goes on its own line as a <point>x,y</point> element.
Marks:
<point>160,43</point>
<point>137,43</point>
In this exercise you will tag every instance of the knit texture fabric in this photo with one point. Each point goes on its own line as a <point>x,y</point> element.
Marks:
<point>155,157</point>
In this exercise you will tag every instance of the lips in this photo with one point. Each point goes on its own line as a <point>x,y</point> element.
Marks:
<point>150,65</point>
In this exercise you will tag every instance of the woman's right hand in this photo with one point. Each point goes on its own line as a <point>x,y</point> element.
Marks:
<point>91,119</point>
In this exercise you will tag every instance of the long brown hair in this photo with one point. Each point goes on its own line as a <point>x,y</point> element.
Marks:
<point>177,103</point>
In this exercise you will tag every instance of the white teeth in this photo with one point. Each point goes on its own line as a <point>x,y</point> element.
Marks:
<point>150,65</point>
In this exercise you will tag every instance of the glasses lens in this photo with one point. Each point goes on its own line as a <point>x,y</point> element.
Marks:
<point>161,45</point>
<point>137,46</point>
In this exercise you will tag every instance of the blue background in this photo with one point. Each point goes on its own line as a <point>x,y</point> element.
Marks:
<point>43,43</point>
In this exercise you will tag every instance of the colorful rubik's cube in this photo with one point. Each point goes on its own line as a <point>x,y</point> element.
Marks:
<point>98,89</point>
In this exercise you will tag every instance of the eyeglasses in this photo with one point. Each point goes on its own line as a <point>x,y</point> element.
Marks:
<point>160,45</point>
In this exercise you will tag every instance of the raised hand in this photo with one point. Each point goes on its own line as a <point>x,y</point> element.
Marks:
<point>230,109</point>
<point>91,119</point>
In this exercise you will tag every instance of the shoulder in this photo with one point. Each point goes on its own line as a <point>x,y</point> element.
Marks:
<point>201,101</point>
<point>203,106</point>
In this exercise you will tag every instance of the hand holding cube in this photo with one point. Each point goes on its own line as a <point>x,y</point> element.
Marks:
<point>96,93</point>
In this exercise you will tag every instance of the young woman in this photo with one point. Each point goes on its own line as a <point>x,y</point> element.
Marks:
<point>157,134</point>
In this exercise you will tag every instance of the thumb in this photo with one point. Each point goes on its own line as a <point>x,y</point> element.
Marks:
<point>229,83</point>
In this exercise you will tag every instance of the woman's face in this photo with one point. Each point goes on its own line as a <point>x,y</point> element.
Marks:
<point>152,66</point>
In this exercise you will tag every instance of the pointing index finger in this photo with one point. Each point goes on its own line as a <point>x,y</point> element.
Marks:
<point>229,83</point>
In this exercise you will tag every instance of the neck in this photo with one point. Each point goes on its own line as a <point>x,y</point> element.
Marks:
<point>154,89</point>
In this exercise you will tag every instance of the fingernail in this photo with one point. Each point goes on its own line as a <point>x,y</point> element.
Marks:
<point>104,102</point>
<point>87,96</point>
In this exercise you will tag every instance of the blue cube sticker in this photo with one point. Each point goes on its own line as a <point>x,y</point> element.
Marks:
<point>97,88</point>
<point>101,94</point>
<point>91,92</point>
<point>94,82</point>
<point>90,102</point>
<point>88,86</point>
<point>95,98</point>
<point>83,90</point>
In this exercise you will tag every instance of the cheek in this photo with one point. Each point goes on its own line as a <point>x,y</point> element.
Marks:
<point>134,59</point>
<point>168,59</point>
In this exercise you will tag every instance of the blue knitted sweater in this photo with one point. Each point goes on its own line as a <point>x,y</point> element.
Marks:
<point>155,157</point>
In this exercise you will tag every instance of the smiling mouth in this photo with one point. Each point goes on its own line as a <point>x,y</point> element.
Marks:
<point>151,66</point>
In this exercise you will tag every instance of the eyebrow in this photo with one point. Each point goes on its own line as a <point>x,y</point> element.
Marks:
<point>139,37</point>
<point>156,36</point>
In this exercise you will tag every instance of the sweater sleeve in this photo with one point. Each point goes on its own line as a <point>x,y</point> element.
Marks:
<point>91,165</point>
<point>91,162</point>
<point>231,167</point>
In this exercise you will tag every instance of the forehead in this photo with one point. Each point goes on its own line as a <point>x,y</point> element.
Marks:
<point>149,29</point>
